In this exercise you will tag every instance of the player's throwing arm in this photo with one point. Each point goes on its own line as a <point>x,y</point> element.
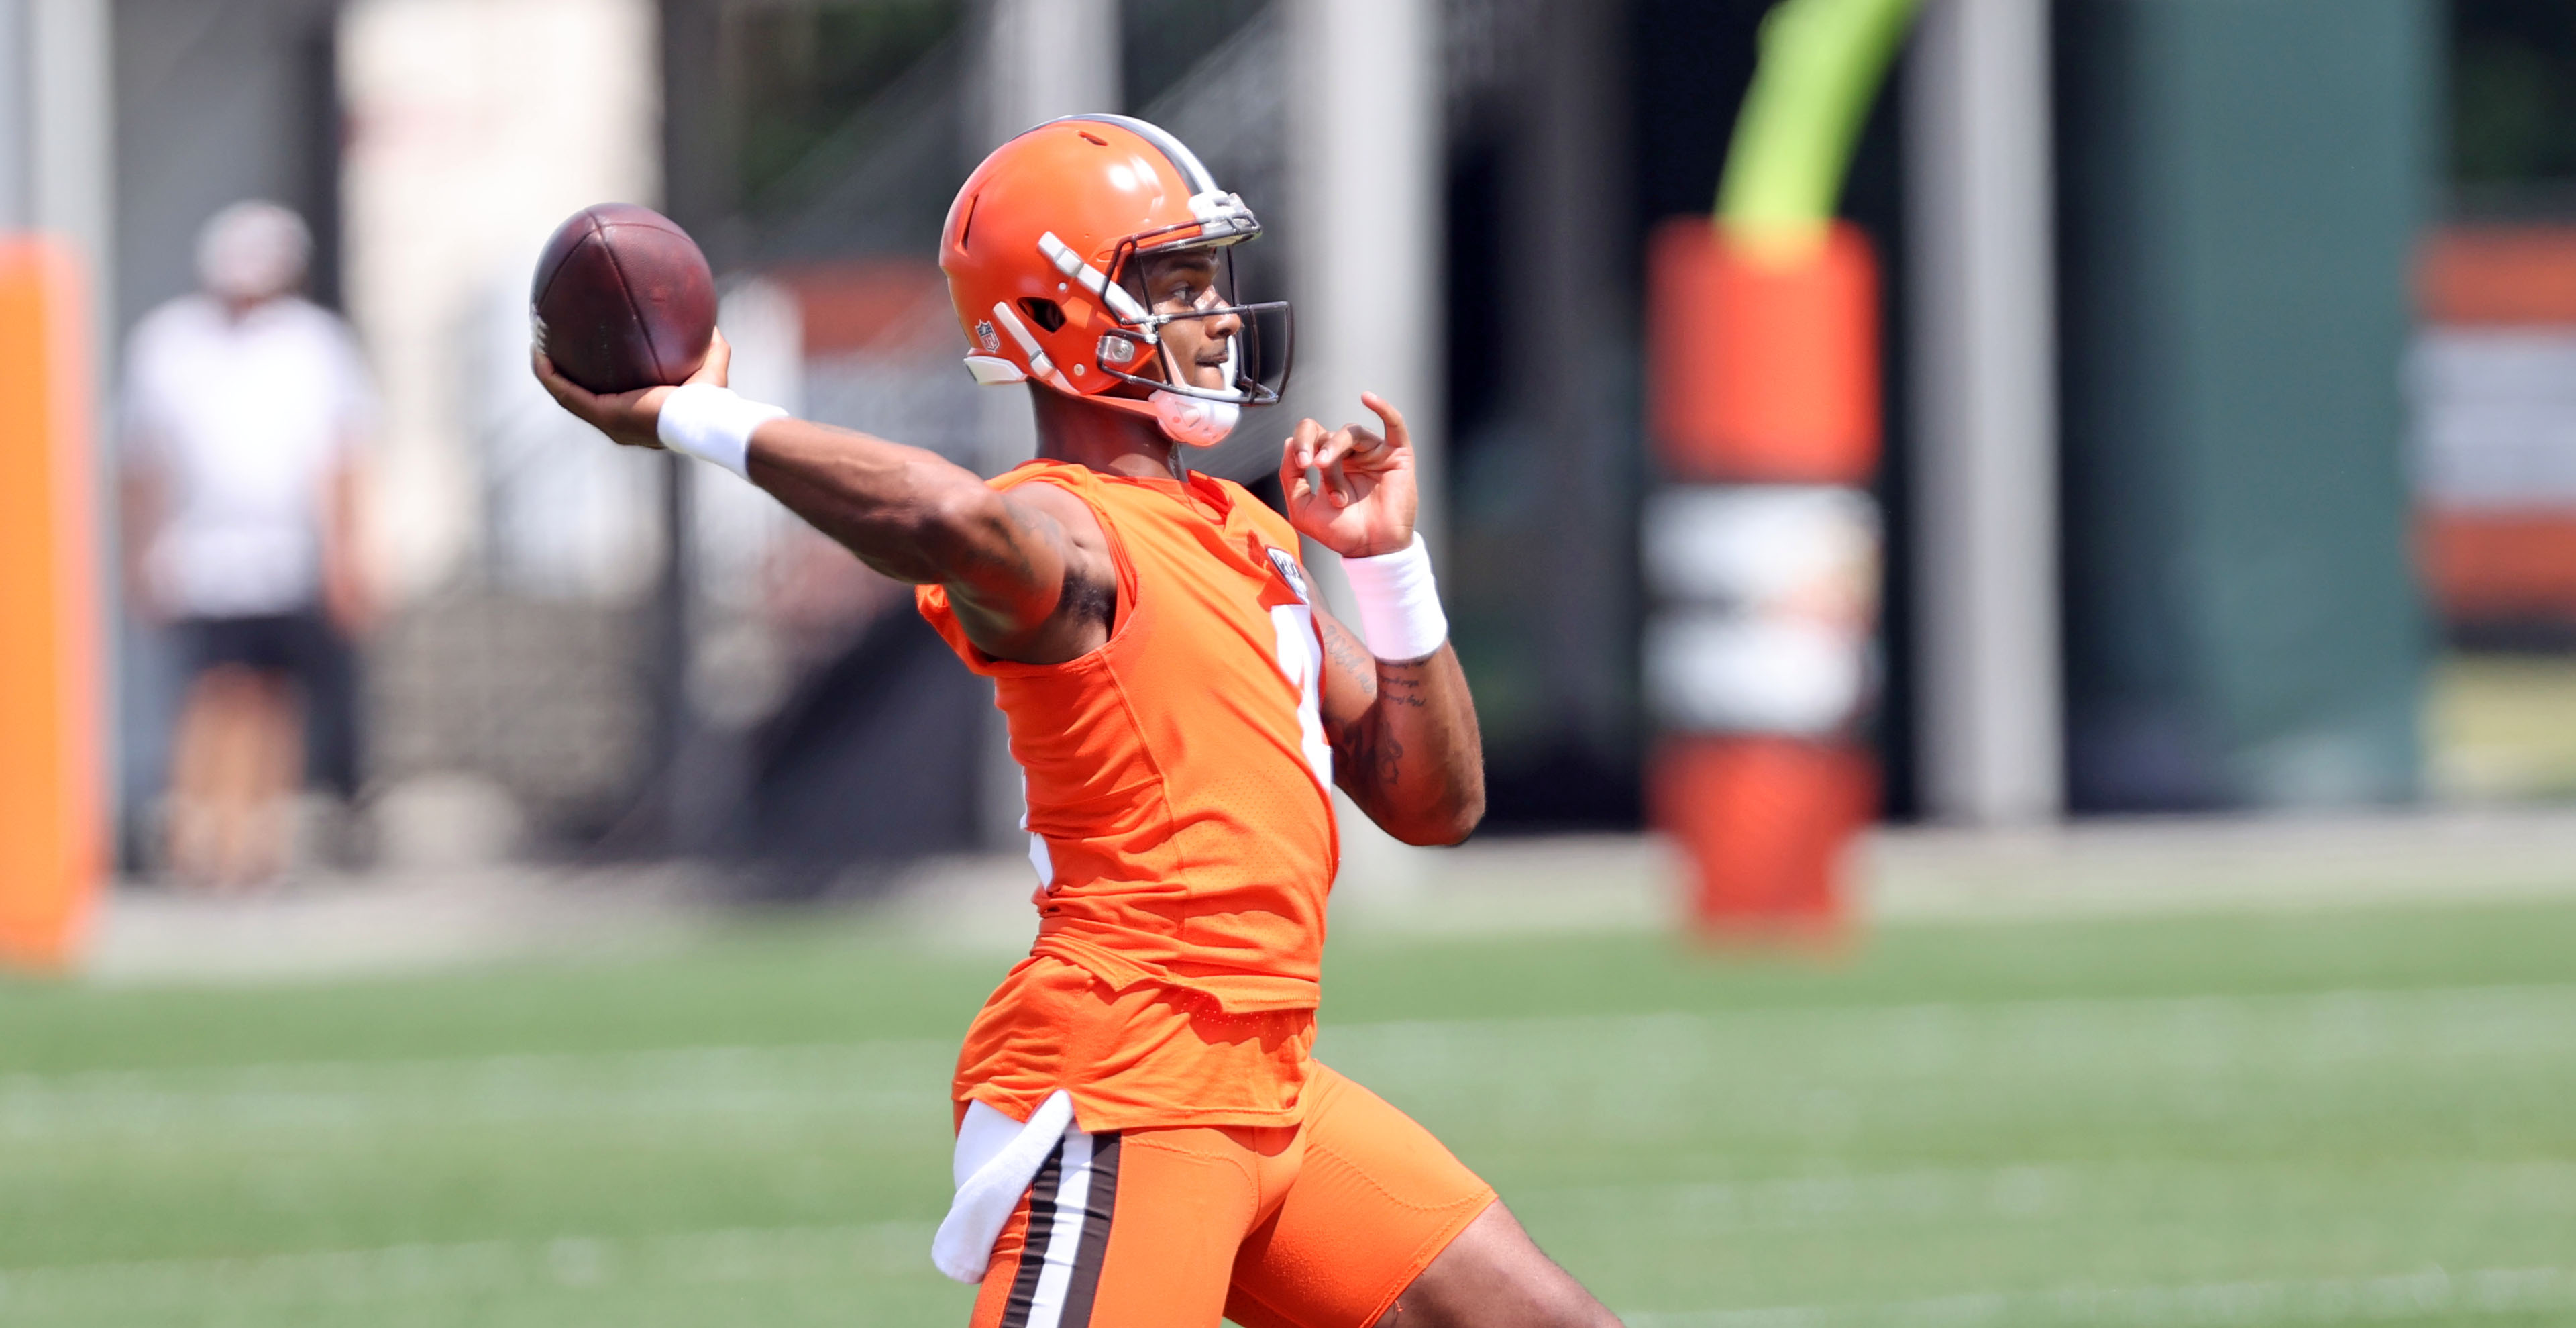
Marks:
<point>1018,565</point>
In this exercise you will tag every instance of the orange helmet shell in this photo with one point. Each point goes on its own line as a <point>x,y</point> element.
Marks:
<point>1042,220</point>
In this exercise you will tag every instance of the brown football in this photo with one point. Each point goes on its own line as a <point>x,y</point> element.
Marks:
<point>623,299</point>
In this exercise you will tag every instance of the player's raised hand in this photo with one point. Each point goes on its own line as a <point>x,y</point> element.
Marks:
<point>631,418</point>
<point>1352,490</point>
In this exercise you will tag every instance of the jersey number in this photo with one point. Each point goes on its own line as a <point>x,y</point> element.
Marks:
<point>1301,658</point>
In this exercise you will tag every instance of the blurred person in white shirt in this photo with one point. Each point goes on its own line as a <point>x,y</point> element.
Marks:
<point>244,410</point>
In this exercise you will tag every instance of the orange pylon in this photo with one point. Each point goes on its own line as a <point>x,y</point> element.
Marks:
<point>52,814</point>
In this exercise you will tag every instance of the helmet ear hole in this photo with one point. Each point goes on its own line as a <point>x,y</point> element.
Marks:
<point>1045,313</point>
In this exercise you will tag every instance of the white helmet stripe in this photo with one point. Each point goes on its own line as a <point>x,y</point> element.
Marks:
<point>1093,279</point>
<point>1039,364</point>
<point>1062,255</point>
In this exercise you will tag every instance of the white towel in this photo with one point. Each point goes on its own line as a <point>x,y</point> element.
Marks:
<point>996,1158</point>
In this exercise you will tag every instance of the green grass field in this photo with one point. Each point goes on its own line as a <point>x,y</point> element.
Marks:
<point>2363,1117</point>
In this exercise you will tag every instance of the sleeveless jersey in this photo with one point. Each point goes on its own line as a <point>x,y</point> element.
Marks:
<point>1179,819</point>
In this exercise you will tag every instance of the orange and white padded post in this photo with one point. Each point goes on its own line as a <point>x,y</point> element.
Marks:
<point>52,814</point>
<point>1761,551</point>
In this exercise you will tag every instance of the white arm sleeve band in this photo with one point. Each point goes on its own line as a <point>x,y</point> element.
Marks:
<point>712,424</point>
<point>1399,604</point>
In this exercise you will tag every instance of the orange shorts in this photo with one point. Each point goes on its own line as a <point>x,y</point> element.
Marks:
<point>1317,1225</point>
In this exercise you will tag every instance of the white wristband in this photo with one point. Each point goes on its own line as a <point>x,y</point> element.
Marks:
<point>1399,605</point>
<point>712,424</point>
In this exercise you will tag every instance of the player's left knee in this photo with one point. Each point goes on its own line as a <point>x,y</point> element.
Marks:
<point>1494,1276</point>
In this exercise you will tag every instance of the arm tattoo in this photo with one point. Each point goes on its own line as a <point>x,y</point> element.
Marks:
<point>1347,652</point>
<point>1367,758</point>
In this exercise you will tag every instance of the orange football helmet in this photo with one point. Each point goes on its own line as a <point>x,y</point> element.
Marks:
<point>1043,249</point>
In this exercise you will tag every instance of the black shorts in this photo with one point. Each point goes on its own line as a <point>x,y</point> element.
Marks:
<point>294,645</point>
<point>303,649</point>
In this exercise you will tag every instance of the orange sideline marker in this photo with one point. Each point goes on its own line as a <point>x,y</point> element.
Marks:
<point>1763,370</point>
<point>52,823</point>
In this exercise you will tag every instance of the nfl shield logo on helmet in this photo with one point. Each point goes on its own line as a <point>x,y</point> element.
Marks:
<point>987,337</point>
<point>1290,573</point>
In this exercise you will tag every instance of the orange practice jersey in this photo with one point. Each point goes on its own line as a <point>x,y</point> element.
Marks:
<point>1179,819</point>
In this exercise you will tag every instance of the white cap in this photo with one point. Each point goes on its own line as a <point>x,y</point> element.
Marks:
<point>253,250</point>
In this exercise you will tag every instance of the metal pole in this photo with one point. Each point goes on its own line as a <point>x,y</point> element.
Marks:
<point>1985,394</point>
<point>69,164</point>
<point>1365,169</point>
<point>1048,58</point>
<point>17,114</point>
<point>64,175</point>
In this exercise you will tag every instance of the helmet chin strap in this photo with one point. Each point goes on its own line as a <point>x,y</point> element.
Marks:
<point>1194,421</point>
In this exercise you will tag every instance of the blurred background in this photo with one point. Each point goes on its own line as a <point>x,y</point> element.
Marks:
<point>2306,534</point>
<point>644,848</point>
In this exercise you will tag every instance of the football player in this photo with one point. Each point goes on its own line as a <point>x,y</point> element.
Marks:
<point>1144,1138</point>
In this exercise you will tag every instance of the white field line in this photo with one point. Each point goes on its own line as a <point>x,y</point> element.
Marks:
<point>885,1249</point>
<point>2022,1193</point>
<point>2395,1298</point>
<point>2197,1032</point>
<point>673,1063</point>
<point>1790,1202</point>
<point>895,1077</point>
<point>1654,1051</point>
